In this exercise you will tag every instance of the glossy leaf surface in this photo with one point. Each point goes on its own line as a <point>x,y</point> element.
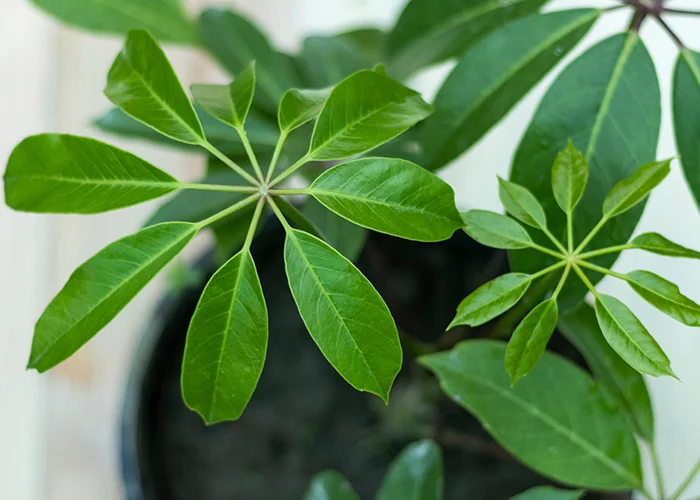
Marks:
<point>228,103</point>
<point>665,296</point>
<point>520,203</point>
<point>330,485</point>
<point>628,192</point>
<point>491,299</point>
<point>530,339</point>
<point>686,121</point>
<point>569,178</point>
<point>495,230</point>
<point>299,107</point>
<point>416,474</point>
<point>655,243</point>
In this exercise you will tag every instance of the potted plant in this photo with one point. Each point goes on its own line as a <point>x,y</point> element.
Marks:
<point>574,417</point>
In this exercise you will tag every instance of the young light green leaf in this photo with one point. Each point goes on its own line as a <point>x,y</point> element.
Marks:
<point>381,109</point>
<point>623,384</point>
<point>494,75</point>
<point>144,85</point>
<point>520,203</point>
<point>299,107</point>
<point>629,338</point>
<point>495,230</point>
<point>226,342</point>
<point>530,339</point>
<point>166,19</point>
<point>229,104</point>
<point>326,60</point>
<point>391,196</point>
<point>686,99</point>
<point>569,178</point>
<point>69,174</point>
<point>655,243</point>
<point>431,31</point>
<point>557,403</point>
<point>628,192</point>
<point>330,485</point>
<point>491,299</point>
<point>548,493</point>
<point>416,474</point>
<point>236,42</point>
<point>665,296</point>
<point>101,287</point>
<point>344,314</point>
<point>348,238</point>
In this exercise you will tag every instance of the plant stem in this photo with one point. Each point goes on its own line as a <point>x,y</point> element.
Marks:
<point>547,251</point>
<point>605,251</point>
<point>279,214</point>
<point>602,270</point>
<point>585,280</point>
<point>291,192</point>
<point>276,156</point>
<point>228,161</point>
<point>254,224</point>
<point>555,241</point>
<point>591,235</point>
<point>251,154</point>
<point>303,161</point>
<point>686,482</point>
<point>228,211</point>
<point>637,19</point>
<point>562,280</point>
<point>661,490</point>
<point>218,187</point>
<point>676,39</point>
<point>548,270</point>
<point>570,232</point>
<point>682,11</point>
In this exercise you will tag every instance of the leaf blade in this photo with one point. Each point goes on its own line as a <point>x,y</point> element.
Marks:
<point>521,204</point>
<point>495,230</point>
<point>298,107</point>
<point>530,339</point>
<point>665,296</point>
<point>628,192</point>
<point>416,474</point>
<point>569,178</point>
<point>548,493</point>
<point>330,485</point>
<point>655,243</point>
<point>686,98</point>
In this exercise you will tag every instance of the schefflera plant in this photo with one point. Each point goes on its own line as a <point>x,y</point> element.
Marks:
<point>624,332</point>
<point>227,338</point>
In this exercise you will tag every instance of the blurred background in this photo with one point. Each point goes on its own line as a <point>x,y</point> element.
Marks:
<point>59,431</point>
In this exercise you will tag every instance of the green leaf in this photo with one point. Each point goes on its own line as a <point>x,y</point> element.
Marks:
<point>491,299</point>
<point>548,493</point>
<point>381,109</point>
<point>69,174</point>
<point>144,85</point>
<point>226,342</point>
<point>686,121</point>
<point>665,296</point>
<point>344,314</point>
<point>166,19</point>
<point>236,42</point>
<point>330,485</point>
<point>324,61</point>
<point>623,384</point>
<point>346,237</point>
<point>431,31</point>
<point>655,243</point>
<point>370,42</point>
<point>569,178</point>
<point>261,132</point>
<point>416,474</point>
<point>494,75</point>
<point>101,287</point>
<point>629,338</point>
<point>530,339</point>
<point>595,103</point>
<point>229,104</point>
<point>391,196</point>
<point>299,107</point>
<point>520,203</point>
<point>628,192</point>
<point>495,230</point>
<point>546,419</point>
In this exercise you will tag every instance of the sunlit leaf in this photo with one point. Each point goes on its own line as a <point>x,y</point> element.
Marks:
<point>495,230</point>
<point>628,192</point>
<point>491,299</point>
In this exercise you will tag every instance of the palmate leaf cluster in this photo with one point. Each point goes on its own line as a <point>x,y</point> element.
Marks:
<point>227,337</point>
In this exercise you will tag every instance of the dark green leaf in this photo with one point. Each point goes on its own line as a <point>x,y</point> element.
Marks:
<point>330,485</point>
<point>229,104</point>
<point>101,287</point>
<point>665,296</point>
<point>686,120</point>
<point>530,339</point>
<point>391,196</point>
<point>629,338</point>
<point>70,174</point>
<point>624,384</point>
<point>166,19</point>
<point>546,419</point>
<point>415,474</point>
<point>495,230</point>
<point>569,178</point>
<point>344,314</point>
<point>325,61</point>
<point>628,192</point>
<point>491,299</point>
<point>595,103</point>
<point>381,109</point>
<point>431,31</point>
<point>548,493</point>
<point>346,237</point>
<point>144,85</point>
<point>370,42</point>
<point>299,107</point>
<point>655,243</point>
<point>226,342</point>
<point>235,42</point>
<point>520,203</point>
<point>494,75</point>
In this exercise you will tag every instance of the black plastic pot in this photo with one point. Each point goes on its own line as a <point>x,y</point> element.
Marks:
<point>303,418</point>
